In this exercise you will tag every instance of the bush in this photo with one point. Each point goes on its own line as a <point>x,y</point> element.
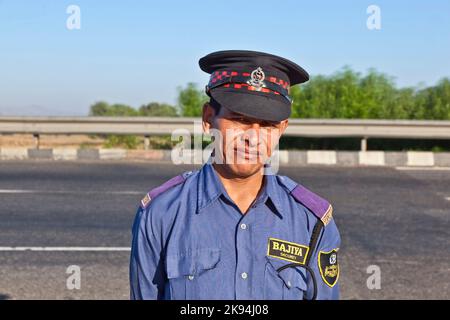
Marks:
<point>127,142</point>
<point>155,109</point>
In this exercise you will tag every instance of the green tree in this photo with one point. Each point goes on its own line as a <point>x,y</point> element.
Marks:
<point>433,102</point>
<point>116,110</point>
<point>99,109</point>
<point>336,96</point>
<point>191,100</point>
<point>348,94</point>
<point>155,109</point>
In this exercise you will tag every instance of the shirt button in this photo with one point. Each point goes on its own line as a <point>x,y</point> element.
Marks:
<point>244,275</point>
<point>289,284</point>
<point>191,277</point>
<point>243,226</point>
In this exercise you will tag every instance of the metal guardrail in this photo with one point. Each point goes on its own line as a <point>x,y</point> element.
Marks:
<point>148,126</point>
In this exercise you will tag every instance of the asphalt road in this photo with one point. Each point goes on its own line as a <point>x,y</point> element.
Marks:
<point>397,220</point>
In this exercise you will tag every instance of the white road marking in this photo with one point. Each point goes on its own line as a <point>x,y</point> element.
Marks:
<point>65,249</point>
<point>14,191</point>
<point>392,261</point>
<point>18,191</point>
<point>424,168</point>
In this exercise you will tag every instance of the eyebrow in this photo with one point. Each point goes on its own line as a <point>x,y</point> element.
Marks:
<point>237,115</point>
<point>234,114</point>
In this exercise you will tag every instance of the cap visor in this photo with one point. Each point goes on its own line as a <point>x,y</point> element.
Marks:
<point>253,105</point>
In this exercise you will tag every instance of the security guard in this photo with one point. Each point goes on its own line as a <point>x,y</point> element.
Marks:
<point>233,229</point>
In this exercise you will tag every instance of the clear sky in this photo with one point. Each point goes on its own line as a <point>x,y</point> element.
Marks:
<point>135,52</point>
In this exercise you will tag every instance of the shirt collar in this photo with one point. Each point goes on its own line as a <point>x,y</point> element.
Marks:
<point>212,188</point>
<point>273,191</point>
<point>209,186</point>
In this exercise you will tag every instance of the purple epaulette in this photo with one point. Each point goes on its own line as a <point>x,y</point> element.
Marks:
<point>152,194</point>
<point>320,207</point>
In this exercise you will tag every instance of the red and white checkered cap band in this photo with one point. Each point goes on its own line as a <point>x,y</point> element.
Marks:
<point>242,80</point>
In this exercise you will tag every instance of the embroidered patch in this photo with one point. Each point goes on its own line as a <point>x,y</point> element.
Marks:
<point>329,267</point>
<point>145,201</point>
<point>327,216</point>
<point>286,250</point>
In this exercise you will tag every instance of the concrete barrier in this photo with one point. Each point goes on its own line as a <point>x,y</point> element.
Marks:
<point>149,155</point>
<point>13,153</point>
<point>371,158</point>
<point>442,159</point>
<point>347,158</point>
<point>112,154</point>
<point>64,154</point>
<point>40,153</point>
<point>88,154</point>
<point>286,157</point>
<point>392,158</point>
<point>321,157</point>
<point>297,158</point>
<point>417,158</point>
<point>283,157</point>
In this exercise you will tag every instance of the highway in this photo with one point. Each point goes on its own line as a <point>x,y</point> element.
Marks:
<point>393,218</point>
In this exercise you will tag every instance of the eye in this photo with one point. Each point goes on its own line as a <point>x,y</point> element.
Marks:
<point>269,124</point>
<point>242,120</point>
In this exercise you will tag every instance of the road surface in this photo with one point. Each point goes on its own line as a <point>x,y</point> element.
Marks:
<point>396,220</point>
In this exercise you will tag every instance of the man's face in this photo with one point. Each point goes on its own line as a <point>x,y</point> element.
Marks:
<point>245,143</point>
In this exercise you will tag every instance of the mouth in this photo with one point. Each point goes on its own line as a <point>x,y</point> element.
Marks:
<point>242,153</point>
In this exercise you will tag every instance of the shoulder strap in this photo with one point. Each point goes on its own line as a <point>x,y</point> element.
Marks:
<point>164,187</point>
<point>320,207</point>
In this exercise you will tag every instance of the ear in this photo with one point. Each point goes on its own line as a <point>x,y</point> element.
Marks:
<point>283,126</point>
<point>207,117</point>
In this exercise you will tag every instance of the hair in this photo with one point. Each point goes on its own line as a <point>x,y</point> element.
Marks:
<point>215,105</point>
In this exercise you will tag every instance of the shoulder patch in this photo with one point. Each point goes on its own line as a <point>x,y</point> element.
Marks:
<point>164,187</point>
<point>321,208</point>
<point>329,266</point>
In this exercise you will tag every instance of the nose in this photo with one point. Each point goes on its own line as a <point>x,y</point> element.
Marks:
<point>251,135</point>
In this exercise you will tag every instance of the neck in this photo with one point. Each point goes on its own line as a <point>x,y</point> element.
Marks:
<point>242,190</point>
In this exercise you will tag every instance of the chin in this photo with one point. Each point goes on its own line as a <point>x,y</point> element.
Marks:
<point>245,170</point>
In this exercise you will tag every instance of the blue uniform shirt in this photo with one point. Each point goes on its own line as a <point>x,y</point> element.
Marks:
<point>191,241</point>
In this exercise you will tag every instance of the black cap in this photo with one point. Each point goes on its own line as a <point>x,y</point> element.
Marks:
<point>255,84</point>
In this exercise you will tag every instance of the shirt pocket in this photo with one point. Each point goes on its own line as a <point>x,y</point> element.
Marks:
<point>288,284</point>
<point>186,272</point>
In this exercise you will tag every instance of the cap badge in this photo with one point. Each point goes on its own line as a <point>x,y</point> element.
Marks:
<point>257,78</point>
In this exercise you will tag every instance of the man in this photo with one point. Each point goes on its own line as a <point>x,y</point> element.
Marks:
<point>234,230</point>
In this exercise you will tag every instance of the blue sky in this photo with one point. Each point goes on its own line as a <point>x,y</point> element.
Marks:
<point>135,52</point>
